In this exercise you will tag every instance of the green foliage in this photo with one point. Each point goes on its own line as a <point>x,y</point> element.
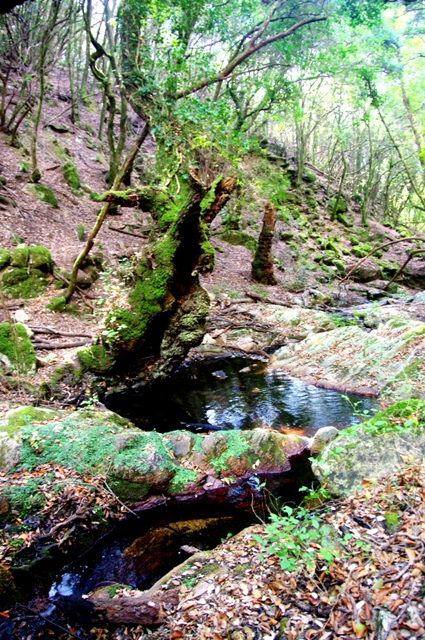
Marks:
<point>299,539</point>
<point>17,348</point>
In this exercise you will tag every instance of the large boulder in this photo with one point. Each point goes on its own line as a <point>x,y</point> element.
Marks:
<point>144,468</point>
<point>375,449</point>
<point>367,271</point>
<point>350,359</point>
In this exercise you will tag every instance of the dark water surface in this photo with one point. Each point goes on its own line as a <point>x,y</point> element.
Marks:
<point>238,393</point>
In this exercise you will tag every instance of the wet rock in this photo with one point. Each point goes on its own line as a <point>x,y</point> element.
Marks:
<point>374,449</point>
<point>349,359</point>
<point>321,438</point>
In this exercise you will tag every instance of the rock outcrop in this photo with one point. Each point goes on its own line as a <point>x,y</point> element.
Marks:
<point>375,449</point>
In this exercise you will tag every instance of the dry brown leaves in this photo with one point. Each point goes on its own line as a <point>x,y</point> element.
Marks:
<point>66,503</point>
<point>374,590</point>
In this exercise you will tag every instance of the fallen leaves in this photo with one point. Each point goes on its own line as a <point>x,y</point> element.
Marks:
<point>375,582</point>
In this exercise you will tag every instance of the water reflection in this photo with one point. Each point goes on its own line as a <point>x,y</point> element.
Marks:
<point>255,398</point>
<point>237,393</point>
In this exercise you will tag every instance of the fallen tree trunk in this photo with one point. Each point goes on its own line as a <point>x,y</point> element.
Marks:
<point>124,608</point>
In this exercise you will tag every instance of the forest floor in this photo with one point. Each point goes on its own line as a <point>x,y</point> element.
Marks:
<point>247,598</point>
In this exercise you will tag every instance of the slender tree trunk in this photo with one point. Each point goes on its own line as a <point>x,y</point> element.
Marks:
<point>51,23</point>
<point>334,213</point>
<point>104,211</point>
<point>83,88</point>
<point>262,265</point>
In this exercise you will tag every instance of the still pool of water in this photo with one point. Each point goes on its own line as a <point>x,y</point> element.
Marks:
<point>239,393</point>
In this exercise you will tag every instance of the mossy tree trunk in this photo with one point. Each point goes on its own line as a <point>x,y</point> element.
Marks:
<point>168,305</point>
<point>262,265</point>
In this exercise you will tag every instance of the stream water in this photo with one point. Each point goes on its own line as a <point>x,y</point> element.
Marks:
<point>238,393</point>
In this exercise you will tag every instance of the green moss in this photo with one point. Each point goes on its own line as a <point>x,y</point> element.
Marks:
<point>41,258</point>
<point>5,257</point>
<point>240,238</point>
<point>236,448</point>
<point>56,304</point>
<point>207,258</point>
<point>71,176</point>
<point>20,256</point>
<point>96,358</point>
<point>343,220</point>
<point>182,479</point>
<point>209,197</point>
<point>24,416</point>
<point>8,591</point>
<point>16,347</point>
<point>308,176</point>
<point>18,283</point>
<point>127,491</point>
<point>392,520</point>
<point>43,193</point>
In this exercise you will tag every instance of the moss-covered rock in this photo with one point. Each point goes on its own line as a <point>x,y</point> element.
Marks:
<point>8,591</point>
<point>71,176</point>
<point>374,449</point>
<point>96,358</point>
<point>41,192</point>
<point>147,464</point>
<point>41,258</point>
<point>342,204</point>
<point>5,256</point>
<point>20,256</point>
<point>57,304</point>
<point>240,238</point>
<point>16,351</point>
<point>19,283</point>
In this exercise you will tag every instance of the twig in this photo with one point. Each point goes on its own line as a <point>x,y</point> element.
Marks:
<point>60,525</point>
<point>58,116</point>
<point>127,233</point>
<point>64,345</point>
<point>50,622</point>
<point>41,329</point>
<point>413,254</point>
<point>382,246</point>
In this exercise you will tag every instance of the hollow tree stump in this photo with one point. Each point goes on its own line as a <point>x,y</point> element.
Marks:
<point>262,265</point>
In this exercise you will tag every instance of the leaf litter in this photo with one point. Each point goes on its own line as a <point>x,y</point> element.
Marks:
<point>373,589</point>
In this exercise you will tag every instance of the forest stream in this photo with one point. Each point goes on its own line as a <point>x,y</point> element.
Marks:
<point>229,393</point>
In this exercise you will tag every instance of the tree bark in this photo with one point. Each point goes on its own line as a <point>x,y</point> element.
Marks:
<point>124,609</point>
<point>262,265</point>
